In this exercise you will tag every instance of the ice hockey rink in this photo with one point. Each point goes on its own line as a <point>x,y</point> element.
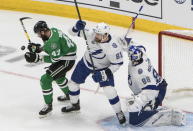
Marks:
<point>20,92</point>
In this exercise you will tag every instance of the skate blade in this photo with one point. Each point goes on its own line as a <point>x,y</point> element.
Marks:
<point>78,111</point>
<point>64,102</point>
<point>124,124</point>
<point>43,116</point>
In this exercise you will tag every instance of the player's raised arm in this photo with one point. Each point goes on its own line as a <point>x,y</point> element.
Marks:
<point>77,29</point>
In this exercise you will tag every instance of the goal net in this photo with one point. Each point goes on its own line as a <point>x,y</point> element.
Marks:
<point>175,61</point>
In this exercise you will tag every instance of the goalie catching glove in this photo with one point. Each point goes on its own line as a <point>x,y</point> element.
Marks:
<point>135,104</point>
<point>125,42</point>
<point>32,57</point>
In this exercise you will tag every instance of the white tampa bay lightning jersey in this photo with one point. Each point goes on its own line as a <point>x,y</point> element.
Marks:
<point>142,75</point>
<point>104,55</point>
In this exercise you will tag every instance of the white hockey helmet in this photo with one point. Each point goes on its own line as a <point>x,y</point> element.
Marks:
<point>102,28</point>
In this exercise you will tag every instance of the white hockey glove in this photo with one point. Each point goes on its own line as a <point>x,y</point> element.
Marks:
<point>130,100</point>
<point>136,105</point>
<point>125,42</point>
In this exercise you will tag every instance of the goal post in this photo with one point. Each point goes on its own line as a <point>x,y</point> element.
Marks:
<point>175,60</point>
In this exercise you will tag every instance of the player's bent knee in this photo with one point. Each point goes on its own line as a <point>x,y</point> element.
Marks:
<point>110,90</point>
<point>74,89</point>
<point>62,82</point>
<point>46,80</point>
<point>73,86</point>
<point>111,93</point>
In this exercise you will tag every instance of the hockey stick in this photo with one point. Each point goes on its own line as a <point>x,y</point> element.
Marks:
<point>133,21</point>
<point>24,29</point>
<point>128,40</point>
<point>92,62</point>
<point>79,16</point>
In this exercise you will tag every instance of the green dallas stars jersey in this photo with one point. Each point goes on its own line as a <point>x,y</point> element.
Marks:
<point>59,47</point>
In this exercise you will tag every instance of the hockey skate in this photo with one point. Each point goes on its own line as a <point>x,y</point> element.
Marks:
<point>46,111</point>
<point>71,107</point>
<point>63,98</point>
<point>121,118</point>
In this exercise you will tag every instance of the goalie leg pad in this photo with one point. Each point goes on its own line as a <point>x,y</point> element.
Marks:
<point>161,117</point>
<point>178,118</point>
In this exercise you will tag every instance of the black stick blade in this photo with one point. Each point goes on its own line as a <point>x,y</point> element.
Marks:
<point>23,18</point>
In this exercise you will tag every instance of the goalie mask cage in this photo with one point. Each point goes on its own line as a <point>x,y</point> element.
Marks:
<point>175,61</point>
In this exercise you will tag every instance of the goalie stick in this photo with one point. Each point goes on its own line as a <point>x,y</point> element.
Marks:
<point>133,21</point>
<point>128,40</point>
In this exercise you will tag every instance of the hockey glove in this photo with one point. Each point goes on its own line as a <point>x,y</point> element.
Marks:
<point>32,47</point>
<point>137,105</point>
<point>103,75</point>
<point>130,100</point>
<point>80,25</point>
<point>125,42</point>
<point>32,57</point>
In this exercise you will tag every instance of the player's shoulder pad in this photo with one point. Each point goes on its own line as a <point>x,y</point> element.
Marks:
<point>56,32</point>
<point>54,29</point>
<point>114,43</point>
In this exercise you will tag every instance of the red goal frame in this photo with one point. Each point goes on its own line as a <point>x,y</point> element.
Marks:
<point>160,36</point>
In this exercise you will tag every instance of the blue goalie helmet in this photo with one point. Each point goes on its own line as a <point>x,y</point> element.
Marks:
<point>135,54</point>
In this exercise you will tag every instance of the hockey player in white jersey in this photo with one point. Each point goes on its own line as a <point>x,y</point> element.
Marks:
<point>106,54</point>
<point>148,89</point>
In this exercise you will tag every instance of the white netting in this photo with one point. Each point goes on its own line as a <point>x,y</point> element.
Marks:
<point>177,62</point>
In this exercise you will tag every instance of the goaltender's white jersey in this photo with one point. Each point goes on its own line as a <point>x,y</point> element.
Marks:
<point>104,55</point>
<point>142,75</point>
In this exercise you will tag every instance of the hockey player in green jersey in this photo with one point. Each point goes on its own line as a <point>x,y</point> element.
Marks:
<point>61,53</point>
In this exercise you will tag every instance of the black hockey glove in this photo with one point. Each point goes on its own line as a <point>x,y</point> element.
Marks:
<point>32,57</point>
<point>33,47</point>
